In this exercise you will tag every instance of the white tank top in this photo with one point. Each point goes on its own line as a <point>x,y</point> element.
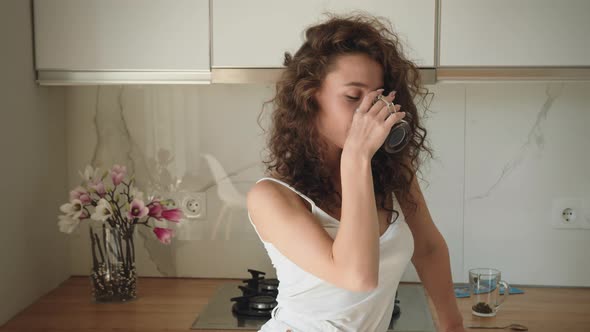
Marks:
<point>307,303</point>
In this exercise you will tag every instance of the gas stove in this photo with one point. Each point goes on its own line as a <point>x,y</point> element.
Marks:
<point>247,305</point>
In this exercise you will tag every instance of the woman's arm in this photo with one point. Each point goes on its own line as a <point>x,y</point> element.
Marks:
<point>435,273</point>
<point>357,240</point>
<point>432,262</point>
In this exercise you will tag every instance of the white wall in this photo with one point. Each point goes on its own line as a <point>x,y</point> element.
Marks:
<point>33,254</point>
<point>503,151</point>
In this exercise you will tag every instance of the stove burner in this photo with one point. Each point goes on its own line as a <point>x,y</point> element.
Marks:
<point>258,296</point>
<point>258,305</point>
<point>396,310</point>
<point>269,285</point>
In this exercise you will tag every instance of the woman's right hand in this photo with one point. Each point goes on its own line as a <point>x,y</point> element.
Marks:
<point>371,123</point>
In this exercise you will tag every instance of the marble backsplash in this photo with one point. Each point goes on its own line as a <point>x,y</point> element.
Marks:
<point>503,152</point>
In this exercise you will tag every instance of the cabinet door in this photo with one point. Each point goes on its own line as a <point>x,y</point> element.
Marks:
<point>256,33</point>
<point>515,33</point>
<point>127,35</point>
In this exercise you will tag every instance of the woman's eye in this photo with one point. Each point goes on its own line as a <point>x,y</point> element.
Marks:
<point>352,98</point>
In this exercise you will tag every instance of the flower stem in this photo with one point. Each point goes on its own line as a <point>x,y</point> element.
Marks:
<point>98,246</point>
<point>104,240</point>
<point>94,260</point>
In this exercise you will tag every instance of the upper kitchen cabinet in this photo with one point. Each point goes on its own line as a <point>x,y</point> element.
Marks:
<point>122,41</point>
<point>256,33</point>
<point>514,33</point>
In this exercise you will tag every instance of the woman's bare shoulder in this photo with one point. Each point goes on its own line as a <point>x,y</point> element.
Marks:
<point>271,198</point>
<point>269,192</point>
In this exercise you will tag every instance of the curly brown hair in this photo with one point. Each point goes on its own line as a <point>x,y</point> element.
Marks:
<point>296,152</point>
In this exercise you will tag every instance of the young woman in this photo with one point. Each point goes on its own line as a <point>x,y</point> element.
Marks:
<point>327,211</point>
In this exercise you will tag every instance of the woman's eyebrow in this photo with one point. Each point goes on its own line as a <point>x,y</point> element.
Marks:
<point>359,84</point>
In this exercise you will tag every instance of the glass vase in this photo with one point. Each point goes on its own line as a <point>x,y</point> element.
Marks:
<point>113,276</point>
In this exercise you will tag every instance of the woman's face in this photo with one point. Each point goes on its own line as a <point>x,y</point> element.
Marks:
<point>343,89</point>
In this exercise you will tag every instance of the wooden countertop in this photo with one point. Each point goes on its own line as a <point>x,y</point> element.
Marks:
<point>172,304</point>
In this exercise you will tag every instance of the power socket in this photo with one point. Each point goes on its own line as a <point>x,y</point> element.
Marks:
<point>569,213</point>
<point>192,204</point>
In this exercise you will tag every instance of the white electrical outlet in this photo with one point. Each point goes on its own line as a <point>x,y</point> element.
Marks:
<point>569,213</point>
<point>194,205</point>
<point>569,216</point>
<point>169,202</point>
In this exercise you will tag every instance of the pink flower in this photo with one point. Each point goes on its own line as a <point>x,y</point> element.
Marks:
<point>118,173</point>
<point>98,186</point>
<point>155,210</point>
<point>81,194</point>
<point>172,215</point>
<point>137,209</point>
<point>164,234</point>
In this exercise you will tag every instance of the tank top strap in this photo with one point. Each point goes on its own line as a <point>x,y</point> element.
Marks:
<point>290,187</point>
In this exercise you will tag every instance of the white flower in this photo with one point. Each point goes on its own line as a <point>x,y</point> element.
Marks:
<point>102,211</point>
<point>89,173</point>
<point>67,224</point>
<point>72,209</point>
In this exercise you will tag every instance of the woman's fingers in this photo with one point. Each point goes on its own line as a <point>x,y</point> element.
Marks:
<point>368,100</point>
<point>393,118</point>
<point>380,104</point>
<point>386,111</point>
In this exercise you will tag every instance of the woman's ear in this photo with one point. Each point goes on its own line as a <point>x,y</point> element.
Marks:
<point>317,94</point>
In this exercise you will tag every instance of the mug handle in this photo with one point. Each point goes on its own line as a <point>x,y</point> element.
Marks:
<point>506,292</point>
